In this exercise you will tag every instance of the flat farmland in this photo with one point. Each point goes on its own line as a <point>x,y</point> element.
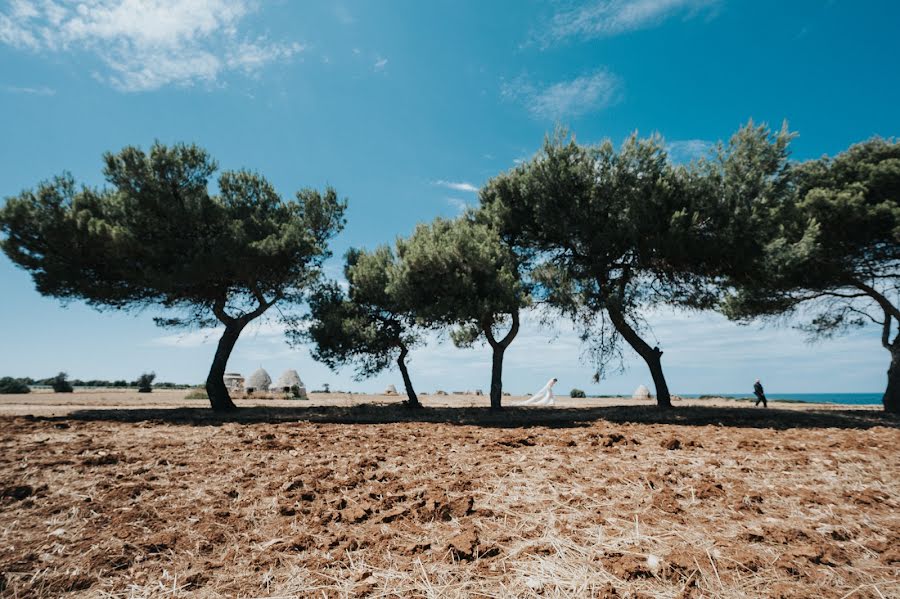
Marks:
<point>115,494</point>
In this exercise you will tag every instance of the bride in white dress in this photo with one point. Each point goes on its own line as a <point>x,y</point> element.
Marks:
<point>544,397</point>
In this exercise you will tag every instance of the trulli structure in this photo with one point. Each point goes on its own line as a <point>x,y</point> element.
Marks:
<point>642,392</point>
<point>391,390</point>
<point>259,381</point>
<point>289,381</point>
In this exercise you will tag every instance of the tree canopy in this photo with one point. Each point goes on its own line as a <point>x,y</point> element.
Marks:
<point>459,273</point>
<point>156,236</point>
<point>821,240</point>
<point>367,326</point>
<point>607,235</point>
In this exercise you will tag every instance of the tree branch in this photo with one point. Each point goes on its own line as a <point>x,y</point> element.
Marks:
<point>886,332</point>
<point>886,305</point>
<point>219,311</point>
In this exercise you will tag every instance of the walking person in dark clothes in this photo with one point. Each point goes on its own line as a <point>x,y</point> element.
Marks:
<point>760,395</point>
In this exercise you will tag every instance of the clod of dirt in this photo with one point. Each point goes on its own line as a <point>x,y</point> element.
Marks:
<point>355,514</point>
<point>709,491</point>
<point>106,459</point>
<point>393,514</point>
<point>17,492</point>
<point>439,506</point>
<point>416,548</point>
<point>301,542</point>
<point>528,441</point>
<point>627,567</point>
<point>666,501</point>
<point>671,443</point>
<point>292,485</point>
<point>160,542</point>
<point>608,591</point>
<point>464,545</point>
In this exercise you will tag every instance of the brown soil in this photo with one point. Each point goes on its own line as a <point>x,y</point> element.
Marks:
<point>334,500</point>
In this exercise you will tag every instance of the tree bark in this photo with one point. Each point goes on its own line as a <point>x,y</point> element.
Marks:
<point>499,348</point>
<point>219,399</point>
<point>410,392</point>
<point>891,398</point>
<point>651,355</point>
<point>497,378</point>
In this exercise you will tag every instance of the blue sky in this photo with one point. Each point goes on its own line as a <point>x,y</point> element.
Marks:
<point>407,108</point>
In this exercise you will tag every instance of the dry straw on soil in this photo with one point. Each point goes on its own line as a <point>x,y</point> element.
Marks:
<point>97,506</point>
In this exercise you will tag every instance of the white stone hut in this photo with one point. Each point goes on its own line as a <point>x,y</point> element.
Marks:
<point>289,380</point>
<point>259,381</point>
<point>642,392</point>
<point>391,390</point>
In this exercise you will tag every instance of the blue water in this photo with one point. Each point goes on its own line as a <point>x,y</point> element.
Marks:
<point>839,398</point>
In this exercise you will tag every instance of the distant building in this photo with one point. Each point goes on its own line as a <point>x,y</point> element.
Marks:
<point>289,382</point>
<point>259,381</point>
<point>234,381</point>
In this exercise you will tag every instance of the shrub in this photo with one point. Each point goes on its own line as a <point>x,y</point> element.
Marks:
<point>145,382</point>
<point>10,385</point>
<point>61,384</point>
<point>577,393</point>
<point>197,394</point>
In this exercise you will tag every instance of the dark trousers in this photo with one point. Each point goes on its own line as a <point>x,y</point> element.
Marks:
<point>760,397</point>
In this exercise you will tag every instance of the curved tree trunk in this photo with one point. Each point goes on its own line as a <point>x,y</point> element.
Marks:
<point>410,392</point>
<point>651,355</point>
<point>499,347</point>
<point>215,383</point>
<point>891,398</point>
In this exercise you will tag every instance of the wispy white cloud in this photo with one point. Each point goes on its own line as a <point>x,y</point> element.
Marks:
<point>607,18</point>
<point>456,186</point>
<point>32,91</point>
<point>686,150</point>
<point>563,99</point>
<point>145,45</point>
<point>380,64</point>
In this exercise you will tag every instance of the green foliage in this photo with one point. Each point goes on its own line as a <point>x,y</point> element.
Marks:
<point>577,393</point>
<point>145,382</point>
<point>367,325</point>
<point>61,384</point>
<point>828,241</point>
<point>155,236</point>
<point>196,394</point>
<point>10,385</point>
<point>459,273</point>
<point>606,233</point>
<point>820,240</point>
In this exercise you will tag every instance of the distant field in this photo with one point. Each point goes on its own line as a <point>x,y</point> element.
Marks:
<point>118,494</point>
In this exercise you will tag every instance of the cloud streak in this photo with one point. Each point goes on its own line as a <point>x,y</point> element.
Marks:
<point>565,99</point>
<point>146,45</point>
<point>456,186</point>
<point>685,150</point>
<point>608,18</point>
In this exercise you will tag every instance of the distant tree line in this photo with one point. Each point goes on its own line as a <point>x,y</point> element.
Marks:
<point>597,234</point>
<point>62,383</point>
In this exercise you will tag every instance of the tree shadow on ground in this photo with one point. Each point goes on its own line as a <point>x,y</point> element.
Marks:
<point>738,417</point>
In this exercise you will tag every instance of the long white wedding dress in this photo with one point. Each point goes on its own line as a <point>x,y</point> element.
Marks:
<point>544,397</point>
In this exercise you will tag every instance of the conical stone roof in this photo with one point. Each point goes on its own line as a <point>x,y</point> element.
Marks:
<point>642,392</point>
<point>259,380</point>
<point>289,378</point>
